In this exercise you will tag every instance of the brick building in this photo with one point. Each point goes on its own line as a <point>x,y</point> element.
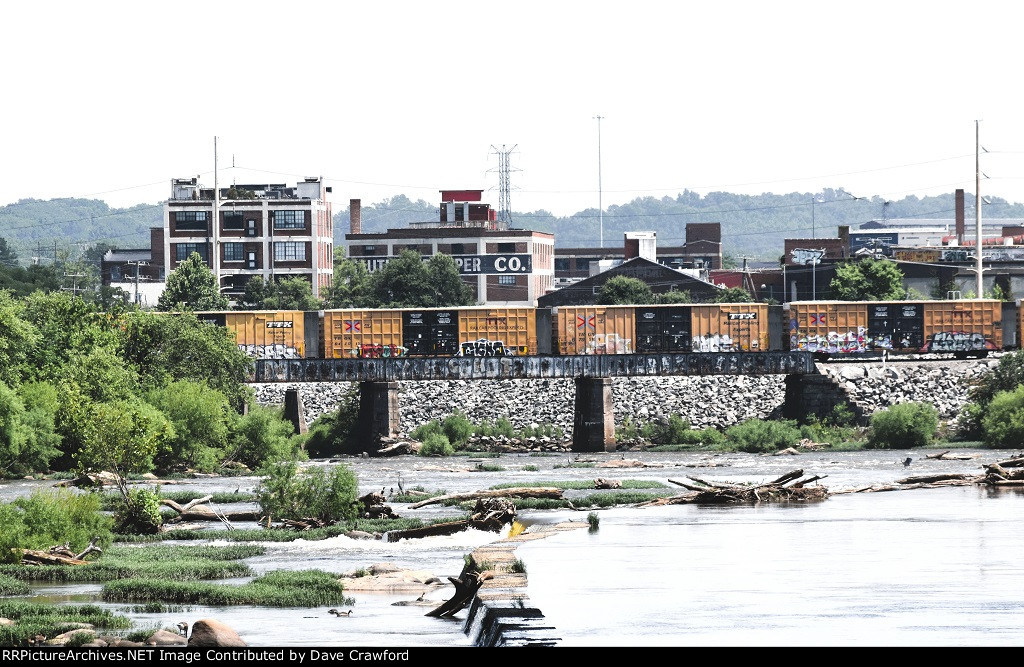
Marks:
<point>266,230</point>
<point>502,265</point>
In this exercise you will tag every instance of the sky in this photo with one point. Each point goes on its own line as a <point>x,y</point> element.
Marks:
<point>596,103</point>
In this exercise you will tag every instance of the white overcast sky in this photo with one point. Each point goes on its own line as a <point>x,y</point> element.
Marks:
<point>111,100</point>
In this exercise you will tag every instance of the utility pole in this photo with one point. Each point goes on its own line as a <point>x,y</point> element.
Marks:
<point>600,204</point>
<point>215,259</point>
<point>137,264</point>
<point>977,207</point>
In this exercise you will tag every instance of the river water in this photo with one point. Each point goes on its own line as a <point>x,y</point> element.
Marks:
<point>929,567</point>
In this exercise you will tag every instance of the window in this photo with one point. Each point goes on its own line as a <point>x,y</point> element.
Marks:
<point>506,247</point>
<point>562,264</point>
<point>192,221</point>
<point>234,220</point>
<point>290,251</point>
<point>458,249</point>
<point>233,252</point>
<point>506,280</point>
<point>183,250</point>
<point>289,219</point>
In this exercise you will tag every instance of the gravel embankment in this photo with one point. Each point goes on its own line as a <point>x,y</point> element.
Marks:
<point>718,401</point>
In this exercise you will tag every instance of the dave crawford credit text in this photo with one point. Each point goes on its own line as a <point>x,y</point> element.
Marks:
<point>192,655</point>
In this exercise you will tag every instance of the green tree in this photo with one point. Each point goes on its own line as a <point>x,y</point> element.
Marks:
<point>285,492</point>
<point>17,338</point>
<point>733,295</point>
<point>122,437</point>
<point>409,282</point>
<point>350,286</point>
<point>7,254</point>
<point>622,290</point>
<point>165,348</point>
<point>675,296</point>
<point>1005,377</point>
<point>202,421</point>
<point>192,286</point>
<point>262,435</point>
<point>868,280</point>
<point>295,293</point>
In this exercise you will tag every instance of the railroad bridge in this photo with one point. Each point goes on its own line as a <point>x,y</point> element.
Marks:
<point>594,418</point>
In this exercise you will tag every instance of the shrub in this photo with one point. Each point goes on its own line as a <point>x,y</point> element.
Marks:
<point>287,493</point>
<point>902,426</point>
<point>1003,421</point>
<point>1006,376</point>
<point>47,518</point>
<point>457,428</point>
<point>138,513</point>
<point>502,427</point>
<point>423,430</point>
<point>262,435</point>
<point>202,419</point>
<point>436,444</point>
<point>758,435</point>
<point>333,432</point>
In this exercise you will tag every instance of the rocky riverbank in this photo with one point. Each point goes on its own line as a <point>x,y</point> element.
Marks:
<point>706,401</point>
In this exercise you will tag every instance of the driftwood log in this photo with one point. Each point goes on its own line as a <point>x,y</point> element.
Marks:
<point>517,492</point>
<point>490,514</point>
<point>59,555</point>
<point>790,487</point>
<point>195,510</point>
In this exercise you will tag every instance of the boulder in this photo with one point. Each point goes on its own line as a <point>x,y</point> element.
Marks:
<point>166,638</point>
<point>211,632</point>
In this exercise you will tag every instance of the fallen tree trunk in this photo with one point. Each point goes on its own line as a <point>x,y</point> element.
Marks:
<point>932,479</point>
<point>518,492</point>
<point>466,587</point>
<point>59,555</point>
<point>490,514</point>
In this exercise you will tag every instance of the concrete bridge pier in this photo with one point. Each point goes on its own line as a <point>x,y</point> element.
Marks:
<point>378,413</point>
<point>594,418</point>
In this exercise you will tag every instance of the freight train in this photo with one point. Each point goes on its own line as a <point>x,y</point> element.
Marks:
<point>962,328</point>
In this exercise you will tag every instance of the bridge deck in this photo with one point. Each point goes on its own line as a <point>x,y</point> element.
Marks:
<point>533,367</point>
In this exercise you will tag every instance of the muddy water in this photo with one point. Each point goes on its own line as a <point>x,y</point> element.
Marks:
<point>921,567</point>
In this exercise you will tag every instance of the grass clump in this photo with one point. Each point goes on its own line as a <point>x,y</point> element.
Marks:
<point>31,619</point>
<point>308,588</point>
<point>155,562</point>
<point>594,520</point>
<point>11,586</point>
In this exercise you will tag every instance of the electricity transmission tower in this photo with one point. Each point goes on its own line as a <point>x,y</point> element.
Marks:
<point>504,185</point>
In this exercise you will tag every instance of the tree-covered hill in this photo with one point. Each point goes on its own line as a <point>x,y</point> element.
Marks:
<point>752,225</point>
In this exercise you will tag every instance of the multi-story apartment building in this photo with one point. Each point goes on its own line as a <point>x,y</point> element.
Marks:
<point>502,265</point>
<point>265,230</point>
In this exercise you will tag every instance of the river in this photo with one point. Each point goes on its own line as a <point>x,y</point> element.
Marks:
<point>934,567</point>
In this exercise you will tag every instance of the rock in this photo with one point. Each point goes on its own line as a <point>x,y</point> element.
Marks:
<point>166,638</point>
<point>211,632</point>
<point>64,638</point>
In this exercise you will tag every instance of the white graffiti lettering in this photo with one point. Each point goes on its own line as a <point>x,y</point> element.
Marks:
<point>611,343</point>
<point>273,351</point>
<point>485,348</point>
<point>956,341</point>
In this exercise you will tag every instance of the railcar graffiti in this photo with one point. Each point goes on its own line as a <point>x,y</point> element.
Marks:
<point>378,351</point>
<point>485,348</point>
<point>957,341</point>
<point>611,343</point>
<point>273,351</point>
